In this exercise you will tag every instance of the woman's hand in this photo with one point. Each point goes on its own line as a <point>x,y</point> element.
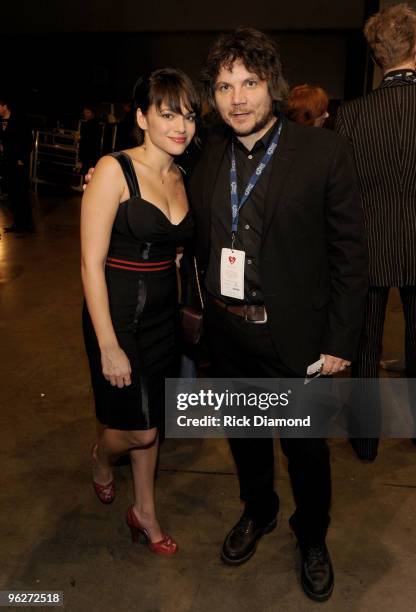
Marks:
<point>116,366</point>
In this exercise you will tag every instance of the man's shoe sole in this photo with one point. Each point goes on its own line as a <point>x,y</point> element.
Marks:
<point>315,596</point>
<point>270,527</point>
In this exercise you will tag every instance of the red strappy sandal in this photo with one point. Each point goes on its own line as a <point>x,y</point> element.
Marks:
<point>165,546</point>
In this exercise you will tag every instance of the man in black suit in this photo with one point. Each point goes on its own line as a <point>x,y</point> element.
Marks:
<point>381,128</point>
<point>300,239</point>
<point>16,144</point>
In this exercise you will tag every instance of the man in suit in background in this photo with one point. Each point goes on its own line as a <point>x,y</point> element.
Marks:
<point>16,144</point>
<point>299,237</point>
<point>381,128</point>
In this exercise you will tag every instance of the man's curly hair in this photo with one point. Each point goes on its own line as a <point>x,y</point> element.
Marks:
<point>391,34</point>
<point>259,54</point>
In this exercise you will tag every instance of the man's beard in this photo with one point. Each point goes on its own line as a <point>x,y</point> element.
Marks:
<point>258,126</point>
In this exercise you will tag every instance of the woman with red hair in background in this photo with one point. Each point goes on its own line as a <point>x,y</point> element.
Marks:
<point>308,104</point>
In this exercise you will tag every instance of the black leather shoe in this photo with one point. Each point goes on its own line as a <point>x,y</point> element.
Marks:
<point>241,542</point>
<point>317,574</point>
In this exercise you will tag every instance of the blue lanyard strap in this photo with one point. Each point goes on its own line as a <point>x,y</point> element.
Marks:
<point>236,205</point>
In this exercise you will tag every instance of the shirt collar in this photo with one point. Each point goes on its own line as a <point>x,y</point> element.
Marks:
<point>261,143</point>
<point>396,77</point>
<point>405,72</point>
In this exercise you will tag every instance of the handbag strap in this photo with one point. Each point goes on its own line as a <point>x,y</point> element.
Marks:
<point>198,285</point>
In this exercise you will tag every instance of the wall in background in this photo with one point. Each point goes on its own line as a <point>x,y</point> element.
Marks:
<point>178,15</point>
<point>62,71</point>
<point>59,54</point>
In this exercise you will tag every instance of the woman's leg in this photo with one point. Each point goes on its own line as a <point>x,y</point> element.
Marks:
<point>101,471</point>
<point>143,465</point>
<point>114,442</point>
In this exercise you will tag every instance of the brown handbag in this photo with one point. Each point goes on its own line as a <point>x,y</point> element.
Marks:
<point>191,318</point>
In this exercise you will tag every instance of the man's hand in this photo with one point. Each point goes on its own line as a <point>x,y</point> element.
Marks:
<point>333,365</point>
<point>87,178</point>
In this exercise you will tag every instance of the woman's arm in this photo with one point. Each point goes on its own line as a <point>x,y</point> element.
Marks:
<point>99,207</point>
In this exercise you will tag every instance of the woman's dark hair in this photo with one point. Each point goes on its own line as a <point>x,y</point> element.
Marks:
<point>259,54</point>
<point>168,86</point>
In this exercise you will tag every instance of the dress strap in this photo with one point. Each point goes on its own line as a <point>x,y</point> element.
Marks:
<point>129,173</point>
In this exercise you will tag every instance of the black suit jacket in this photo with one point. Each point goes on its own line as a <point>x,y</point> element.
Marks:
<point>313,257</point>
<point>381,129</point>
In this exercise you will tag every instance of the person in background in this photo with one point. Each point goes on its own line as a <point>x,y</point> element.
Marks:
<point>307,104</point>
<point>126,129</point>
<point>90,139</point>
<point>134,216</point>
<point>16,143</point>
<point>380,128</point>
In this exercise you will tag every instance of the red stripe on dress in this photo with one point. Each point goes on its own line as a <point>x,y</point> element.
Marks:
<point>139,269</point>
<point>139,263</point>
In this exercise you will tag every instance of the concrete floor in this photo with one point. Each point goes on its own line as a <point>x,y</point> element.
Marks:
<point>56,535</point>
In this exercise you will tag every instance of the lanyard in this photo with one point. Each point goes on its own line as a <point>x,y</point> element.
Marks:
<point>236,205</point>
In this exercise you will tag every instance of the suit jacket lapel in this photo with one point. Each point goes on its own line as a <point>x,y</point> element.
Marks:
<point>210,166</point>
<point>281,164</point>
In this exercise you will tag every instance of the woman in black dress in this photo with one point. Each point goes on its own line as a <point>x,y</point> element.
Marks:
<point>134,216</point>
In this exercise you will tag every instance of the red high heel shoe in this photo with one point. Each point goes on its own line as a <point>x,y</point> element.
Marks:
<point>105,493</point>
<point>165,546</point>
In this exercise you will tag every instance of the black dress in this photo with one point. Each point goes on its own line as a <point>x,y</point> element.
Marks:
<point>142,291</point>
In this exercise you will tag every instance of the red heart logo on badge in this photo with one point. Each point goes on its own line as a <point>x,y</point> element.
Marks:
<point>231,259</point>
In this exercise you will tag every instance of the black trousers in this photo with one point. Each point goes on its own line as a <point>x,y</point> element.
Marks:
<point>240,349</point>
<point>371,341</point>
<point>368,358</point>
<point>17,185</point>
